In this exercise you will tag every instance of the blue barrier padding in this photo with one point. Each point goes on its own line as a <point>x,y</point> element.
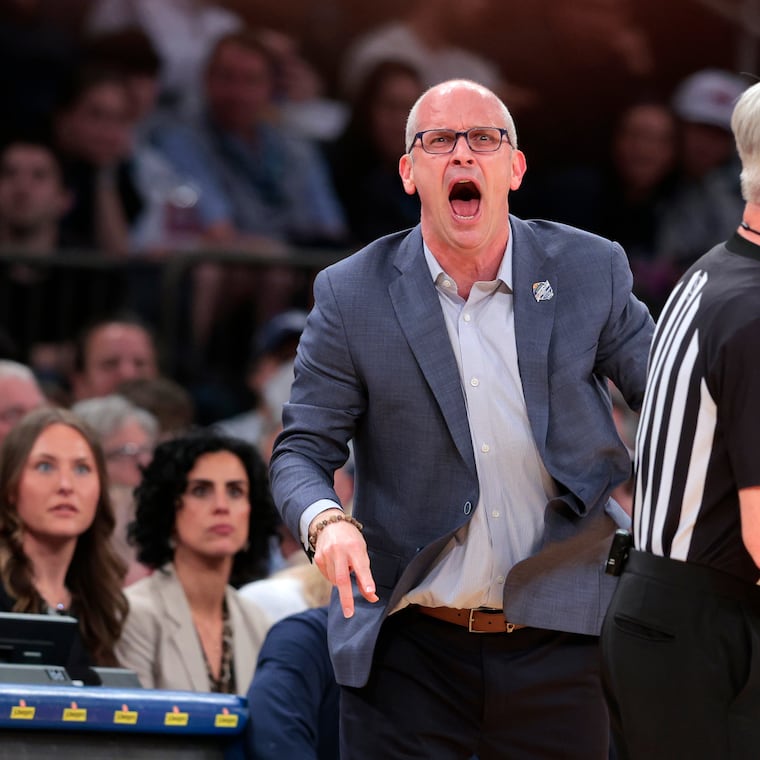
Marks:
<point>83,708</point>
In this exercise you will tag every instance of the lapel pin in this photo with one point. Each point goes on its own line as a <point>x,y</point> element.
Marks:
<point>542,291</point>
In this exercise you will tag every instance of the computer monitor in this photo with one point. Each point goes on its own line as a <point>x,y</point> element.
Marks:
<point>36,639</point>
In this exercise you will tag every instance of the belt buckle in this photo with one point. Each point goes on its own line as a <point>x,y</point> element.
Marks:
<point>470,629</point>
<point>510,627</point>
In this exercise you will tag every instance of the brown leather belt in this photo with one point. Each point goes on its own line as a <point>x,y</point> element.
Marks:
<point>475,620</point>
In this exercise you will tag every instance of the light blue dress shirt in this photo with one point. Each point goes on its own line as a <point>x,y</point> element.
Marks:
<point>507,524</point>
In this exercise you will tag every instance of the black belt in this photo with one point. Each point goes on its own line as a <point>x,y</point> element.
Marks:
<point>691,575</point>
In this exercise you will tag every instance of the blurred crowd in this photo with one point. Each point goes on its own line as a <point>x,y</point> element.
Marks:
<point>158,128</point>
<point>148,130</point>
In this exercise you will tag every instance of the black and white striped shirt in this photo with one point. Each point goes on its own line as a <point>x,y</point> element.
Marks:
<point>698,441</point>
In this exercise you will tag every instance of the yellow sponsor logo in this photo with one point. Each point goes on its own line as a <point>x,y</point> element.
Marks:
<point>75,714</point>
<point>176,719</point>
<point>125,717</point>
<point>224,720</point>
<point>22,712</point>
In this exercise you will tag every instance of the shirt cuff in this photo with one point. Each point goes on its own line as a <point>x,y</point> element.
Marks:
<point>310,513</point>
<point>618,514</point>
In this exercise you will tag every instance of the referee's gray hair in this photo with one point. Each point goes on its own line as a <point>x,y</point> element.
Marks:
<point>745,124</point>
<point>509,122</point>
<point>107,414</point>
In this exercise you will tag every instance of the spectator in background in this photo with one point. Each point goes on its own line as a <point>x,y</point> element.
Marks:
<point>56,523</point>
<point>299,90</point>
<point>270,372</point>
<point>254,178</point>
<point>260,186</point>
<point>294,697</point>
<point>183,32</point>
<point>623,198</point>
<point>640,185</point>
<point>168,401</point>
<point>33,202</point>
<point>364,160</point>
<point>110,351</point>
<point>33,196</point>
<point>20,393</point>
<point>165,220</point>
<point>425,38</point>
<point>708,202</point>
<point>204,519</point>
<point>93,131</point>
<point>128,436</point>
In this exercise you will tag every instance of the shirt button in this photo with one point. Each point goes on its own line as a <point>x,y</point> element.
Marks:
<point>474,382</point>
<point>446,283</point>
<point>500,579</point>
<point>496,513</point>
<point>485,448</point>
<point>466,317</point>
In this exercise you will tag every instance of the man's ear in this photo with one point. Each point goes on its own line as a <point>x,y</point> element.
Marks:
<point>406,171</point>
<point>519,166</point>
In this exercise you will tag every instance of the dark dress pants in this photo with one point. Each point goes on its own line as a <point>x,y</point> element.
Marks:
<point>438,691</point>
<point>681,663</point>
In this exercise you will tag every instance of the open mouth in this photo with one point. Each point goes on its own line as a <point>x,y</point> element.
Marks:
<point>465,199</point>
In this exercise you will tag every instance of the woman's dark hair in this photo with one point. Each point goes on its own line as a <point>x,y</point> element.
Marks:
<point>165,481</point>
<point>360,122</point>
<point>96,572</point>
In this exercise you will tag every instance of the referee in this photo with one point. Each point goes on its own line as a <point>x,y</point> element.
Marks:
<point>681,640</point>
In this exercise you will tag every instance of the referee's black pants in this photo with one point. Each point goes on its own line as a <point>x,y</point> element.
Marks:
<point>681,662</point>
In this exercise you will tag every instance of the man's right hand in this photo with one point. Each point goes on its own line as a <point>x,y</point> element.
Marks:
<point>341,550</point>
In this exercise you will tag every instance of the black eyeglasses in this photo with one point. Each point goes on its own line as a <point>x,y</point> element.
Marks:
<point>478,139</point>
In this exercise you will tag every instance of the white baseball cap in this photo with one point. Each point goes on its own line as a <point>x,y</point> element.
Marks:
<point>708,97</point>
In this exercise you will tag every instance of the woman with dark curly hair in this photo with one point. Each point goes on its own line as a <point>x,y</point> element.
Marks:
<point>204,518</point>
<point>55,529</point>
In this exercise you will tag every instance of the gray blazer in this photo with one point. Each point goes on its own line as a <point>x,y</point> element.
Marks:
<point>160,644</point>
<point>375,365</point>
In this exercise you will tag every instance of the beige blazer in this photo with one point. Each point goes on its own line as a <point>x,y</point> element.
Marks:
<point>159,642</point>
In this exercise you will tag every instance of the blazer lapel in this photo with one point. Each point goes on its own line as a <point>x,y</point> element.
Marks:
<point>182,637</point>
<point>534,310</point>
<point>418,310</point>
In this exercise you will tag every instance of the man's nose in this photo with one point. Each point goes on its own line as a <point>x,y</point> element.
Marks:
<point>462,152</point>
<point>129,371</point>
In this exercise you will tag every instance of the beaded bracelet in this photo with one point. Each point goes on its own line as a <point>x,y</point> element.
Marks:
<point>322,524</point>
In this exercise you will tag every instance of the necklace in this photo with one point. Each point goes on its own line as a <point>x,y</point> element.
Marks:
<point>745,226</point>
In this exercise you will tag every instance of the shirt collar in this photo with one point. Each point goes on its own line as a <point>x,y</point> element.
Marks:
<point>505,268</point>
